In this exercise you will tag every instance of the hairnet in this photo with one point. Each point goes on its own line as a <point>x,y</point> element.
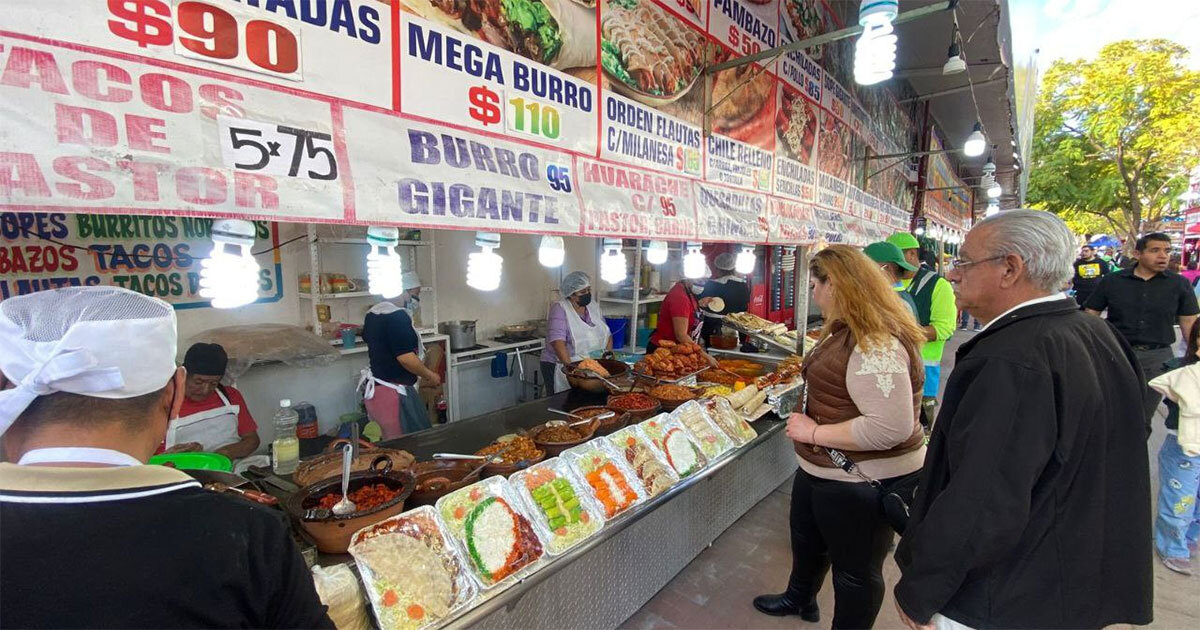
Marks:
<point>104,342</point>
<point>574,281</point>
<point>409,280</point>
<point>725,262</point>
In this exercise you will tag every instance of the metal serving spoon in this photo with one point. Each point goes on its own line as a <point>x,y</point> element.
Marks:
<point>345,506</point>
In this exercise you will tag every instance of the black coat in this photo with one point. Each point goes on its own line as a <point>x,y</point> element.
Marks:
<point>1034,504</point>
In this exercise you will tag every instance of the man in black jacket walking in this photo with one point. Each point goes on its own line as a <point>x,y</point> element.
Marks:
<point>1033,509</point>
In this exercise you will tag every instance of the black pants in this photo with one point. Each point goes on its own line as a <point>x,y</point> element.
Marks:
<point>1152,361</point>
<point>548,370</point>
<point>839,523</point>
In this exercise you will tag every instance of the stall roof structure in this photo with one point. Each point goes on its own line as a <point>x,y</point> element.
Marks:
<point>986,86</point>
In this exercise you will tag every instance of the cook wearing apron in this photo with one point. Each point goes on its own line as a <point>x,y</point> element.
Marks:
<point>213,417</point>
<point>680,303</point>
<point>576,330</point>
<point>394,351</point>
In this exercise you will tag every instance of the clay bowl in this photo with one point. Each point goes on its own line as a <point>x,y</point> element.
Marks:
<point>460,473</point>
<point>671,404</point>
<point>638,415</point>
<point>611,425</point>
<point>554,449</point>
<point>332,533</point>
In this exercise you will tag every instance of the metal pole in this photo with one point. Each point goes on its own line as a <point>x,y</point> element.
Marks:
<point>906,154</point>
<point>800,297</point>
<point>953,90</point>
<point>834,36</point>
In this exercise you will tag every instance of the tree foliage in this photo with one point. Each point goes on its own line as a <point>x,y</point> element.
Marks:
<point>1115,136</point>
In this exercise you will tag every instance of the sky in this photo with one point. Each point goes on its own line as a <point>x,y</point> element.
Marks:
<point>1073,29</point>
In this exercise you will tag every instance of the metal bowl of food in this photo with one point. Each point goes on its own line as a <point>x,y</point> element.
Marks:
<point>582,375</point>
<point>518,331</point>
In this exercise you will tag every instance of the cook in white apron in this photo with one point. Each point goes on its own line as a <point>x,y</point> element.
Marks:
<point>585,339</point>
<point>211,429</point>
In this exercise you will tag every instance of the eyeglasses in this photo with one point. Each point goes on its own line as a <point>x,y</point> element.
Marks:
<point>962,263</point>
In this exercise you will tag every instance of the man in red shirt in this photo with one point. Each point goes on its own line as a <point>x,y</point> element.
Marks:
<point>679,316</point>
<point>214,417</point>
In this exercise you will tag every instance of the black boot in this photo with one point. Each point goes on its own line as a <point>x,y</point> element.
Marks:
<point>783,605</point>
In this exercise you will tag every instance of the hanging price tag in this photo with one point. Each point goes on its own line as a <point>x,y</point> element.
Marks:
<point>273,149</point>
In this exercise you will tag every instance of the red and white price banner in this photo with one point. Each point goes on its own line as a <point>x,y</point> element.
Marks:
<point>226,34</point>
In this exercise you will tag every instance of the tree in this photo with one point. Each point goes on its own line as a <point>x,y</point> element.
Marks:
<point>1115,136</point>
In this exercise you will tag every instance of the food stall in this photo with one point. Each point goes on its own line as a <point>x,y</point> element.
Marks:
<point>150,140</point>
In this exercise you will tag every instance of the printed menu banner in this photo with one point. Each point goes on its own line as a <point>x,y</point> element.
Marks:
<point>336,48</point>
<point>836,99</point>
<point>740,150</point>
<point>96,132</point>
<point>449,77</point>
<point>726,214</point>
<point>411,173</point>
<point>790,222</point>
<point>833,162</point>
<point>636,134</point>
<point>797,127</point>
<point>694,11</point>
<point>745,26</point>
<point>830,225</point>
<point>804,19</point>
<point>628,201</point>
<point>155,255</point>
<point>950,206</point>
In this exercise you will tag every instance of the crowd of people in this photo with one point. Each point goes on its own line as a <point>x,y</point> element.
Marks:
<point>1022,502</point>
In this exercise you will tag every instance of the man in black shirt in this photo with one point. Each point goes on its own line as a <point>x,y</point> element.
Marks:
<point>1144,304</point>
<point>91,536</point>
<point>1088,271</point>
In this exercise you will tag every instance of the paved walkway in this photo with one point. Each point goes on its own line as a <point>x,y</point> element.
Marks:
<point>754,557</point>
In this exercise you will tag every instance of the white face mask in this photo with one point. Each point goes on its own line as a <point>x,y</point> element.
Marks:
<point>697,288</point>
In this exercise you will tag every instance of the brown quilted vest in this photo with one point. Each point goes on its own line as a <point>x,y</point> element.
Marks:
<point>829,401</point>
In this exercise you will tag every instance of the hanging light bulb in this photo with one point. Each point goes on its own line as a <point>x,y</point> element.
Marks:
<point>551,252</point>
<point>483,267</point>
<point>230,278</point>
<point>744,263</point>
<point>612,262</point>
<point>383,263</point>
<point>994,191</point>
<point>656,252</point>
<point>693,262</point>
<point>954,61</point>
<point>989,167</point>
<point>875,50</point>
<point>920,231</point>
<point>976,143</point>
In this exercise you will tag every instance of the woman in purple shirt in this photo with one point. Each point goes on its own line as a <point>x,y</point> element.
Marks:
<point>576,329</point>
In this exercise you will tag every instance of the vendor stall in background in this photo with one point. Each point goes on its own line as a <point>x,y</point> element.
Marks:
<point>277,174</point>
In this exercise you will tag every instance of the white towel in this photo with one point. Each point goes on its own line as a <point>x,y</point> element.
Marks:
<point>1183,387</point>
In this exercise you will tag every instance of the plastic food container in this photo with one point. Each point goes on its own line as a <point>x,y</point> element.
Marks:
<point>644,459</point>
<point>413,574</point>
<point>676,445</point>
<point>703,432</point>
<point>610,481</point>
<point>492,530</point>
<point>563,513</point>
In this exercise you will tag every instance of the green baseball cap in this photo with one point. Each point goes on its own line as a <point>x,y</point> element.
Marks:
<point>885,252</point>
<point>904,240</point>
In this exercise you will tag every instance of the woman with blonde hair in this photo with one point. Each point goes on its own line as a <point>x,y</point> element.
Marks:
<point>864,381</point>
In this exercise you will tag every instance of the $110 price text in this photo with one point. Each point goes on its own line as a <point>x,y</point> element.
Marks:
<point>523,116</point>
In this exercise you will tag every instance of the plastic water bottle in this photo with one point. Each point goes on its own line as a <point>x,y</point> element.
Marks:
<point>285,450</point>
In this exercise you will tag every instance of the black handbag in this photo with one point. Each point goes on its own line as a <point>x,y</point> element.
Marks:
<point>895,494</point>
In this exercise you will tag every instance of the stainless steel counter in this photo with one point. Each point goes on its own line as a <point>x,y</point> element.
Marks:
<point>602,582</point>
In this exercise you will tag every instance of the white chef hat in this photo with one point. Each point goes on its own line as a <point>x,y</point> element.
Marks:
<point>409,280</point>
<point>104,342</point>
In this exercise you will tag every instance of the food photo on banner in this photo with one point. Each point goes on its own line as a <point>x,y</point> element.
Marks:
<point>804,19</point>
<point>652,63</point>
<point>797,127</point>
<point>740,149</point>
<point>158,256</point>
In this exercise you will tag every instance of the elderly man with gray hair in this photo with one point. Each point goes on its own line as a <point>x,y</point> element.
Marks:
<point>1033,509</point>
